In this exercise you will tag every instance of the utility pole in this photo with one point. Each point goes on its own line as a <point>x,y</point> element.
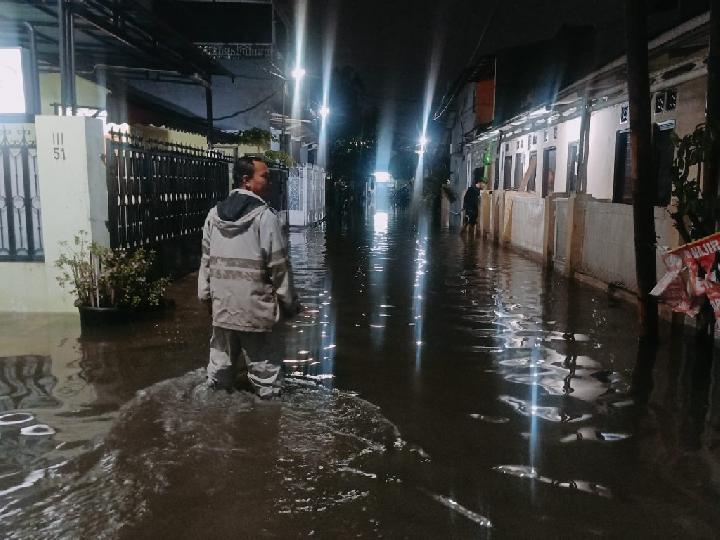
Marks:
<point>711,173</point>
<point>641,170</point>
<point>711,167</point>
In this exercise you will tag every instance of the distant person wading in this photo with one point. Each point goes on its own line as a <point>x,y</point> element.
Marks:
<point>470,206</point>
<point>246,279</point>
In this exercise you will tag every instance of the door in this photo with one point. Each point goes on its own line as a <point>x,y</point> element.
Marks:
<point>622,183</point>
<point>507,173</point>
<point>664,151</point>
<point>572,169</point>
<point>519,169</point>
<point>548,174</point>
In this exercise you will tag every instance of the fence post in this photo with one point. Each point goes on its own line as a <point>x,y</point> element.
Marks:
<point>73,190</point>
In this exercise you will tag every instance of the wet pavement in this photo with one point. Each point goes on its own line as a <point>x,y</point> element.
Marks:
<point>439,388</point>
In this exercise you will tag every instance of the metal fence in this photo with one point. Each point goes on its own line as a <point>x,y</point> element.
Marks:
<point>306,194</point>
<point>20,211</point>
<point>159,191</point>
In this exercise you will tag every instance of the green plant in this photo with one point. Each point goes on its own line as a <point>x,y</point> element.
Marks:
<point>691,212</point>
<point>254,136</point>
<point>276,156</point>
<point>102,277</point>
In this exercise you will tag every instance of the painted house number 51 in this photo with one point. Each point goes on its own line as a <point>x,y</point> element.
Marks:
<point>58,146</point>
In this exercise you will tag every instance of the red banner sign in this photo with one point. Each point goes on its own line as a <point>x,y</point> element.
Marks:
<point>692,275</point>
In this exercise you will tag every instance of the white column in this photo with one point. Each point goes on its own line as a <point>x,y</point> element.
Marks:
<point>73,191</point>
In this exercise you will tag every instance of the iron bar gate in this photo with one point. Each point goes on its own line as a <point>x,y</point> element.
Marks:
<point>20,212</point>
<point>159,191</point>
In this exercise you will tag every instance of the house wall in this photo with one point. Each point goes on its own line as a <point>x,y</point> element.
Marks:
<point>610,255</point>
<point>604,125</point>
<point>73,193</point>
<point>23,286</point>
<point>88,93</point>
<point>528,216</point>
<point>690,110</point>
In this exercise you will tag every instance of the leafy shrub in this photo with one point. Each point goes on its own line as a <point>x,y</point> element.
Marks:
<point>104,277</point>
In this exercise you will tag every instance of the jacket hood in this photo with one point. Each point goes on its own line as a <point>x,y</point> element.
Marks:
<point>240,207</point>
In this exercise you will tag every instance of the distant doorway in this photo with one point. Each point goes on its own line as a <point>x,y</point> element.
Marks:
<point>548,172</point>
<point>572,169</point>
<point>507,173</point>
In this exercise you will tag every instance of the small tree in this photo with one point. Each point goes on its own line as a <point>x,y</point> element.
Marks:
<point>694,215</point>
<point>694,218</point>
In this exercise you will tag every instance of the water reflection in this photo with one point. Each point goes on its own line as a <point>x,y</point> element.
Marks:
<point>438,387</point>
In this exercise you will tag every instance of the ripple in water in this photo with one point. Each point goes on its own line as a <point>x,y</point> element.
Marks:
<point>317,459</point>
<point>14,419</point>
<point>38,430</point>
<point>524,471</point>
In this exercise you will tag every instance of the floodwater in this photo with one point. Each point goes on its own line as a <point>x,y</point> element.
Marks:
<point>438,387</point>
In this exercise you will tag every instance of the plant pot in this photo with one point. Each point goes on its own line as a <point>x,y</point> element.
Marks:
<point>102,316</point>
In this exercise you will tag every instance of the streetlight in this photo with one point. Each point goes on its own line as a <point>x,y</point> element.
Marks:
<point>298,73</point>
<point>423,143</point>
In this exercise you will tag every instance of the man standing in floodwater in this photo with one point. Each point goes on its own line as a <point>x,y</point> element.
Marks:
<point>470,206</point>
<point>246,279</point>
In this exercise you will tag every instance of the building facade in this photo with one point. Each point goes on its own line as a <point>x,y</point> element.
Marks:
<point>558,174</point>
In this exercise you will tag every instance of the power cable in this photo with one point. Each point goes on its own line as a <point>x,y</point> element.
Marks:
<point>242,111</point>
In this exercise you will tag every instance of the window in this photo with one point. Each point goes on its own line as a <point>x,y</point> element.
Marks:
<point>507,147</point>
<point>545,136</point>
<point>548,174</point>
<point>534,138</point>
<point>519,168</point>
<point>624,113</point>
<point>555,132</point>
<point>530,140</point>
<point>665,101</point>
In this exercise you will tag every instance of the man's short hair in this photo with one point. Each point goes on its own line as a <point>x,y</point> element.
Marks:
<point>244,166</point>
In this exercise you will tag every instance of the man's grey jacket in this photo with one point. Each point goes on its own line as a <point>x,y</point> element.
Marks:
<point>245,268</point>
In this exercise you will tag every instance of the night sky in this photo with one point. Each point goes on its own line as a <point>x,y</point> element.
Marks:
<point>390,42</point>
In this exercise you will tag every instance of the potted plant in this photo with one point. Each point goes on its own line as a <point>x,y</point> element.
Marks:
<point>110,285</point>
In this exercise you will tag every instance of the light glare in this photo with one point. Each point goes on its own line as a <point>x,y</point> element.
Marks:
<point>12,89</point>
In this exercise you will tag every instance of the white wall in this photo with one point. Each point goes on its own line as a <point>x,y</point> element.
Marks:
<point>608,251</point>
<point>73,194</point>
<point>23,286</point>
<point>604,125</point>
<point>528,219</point>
